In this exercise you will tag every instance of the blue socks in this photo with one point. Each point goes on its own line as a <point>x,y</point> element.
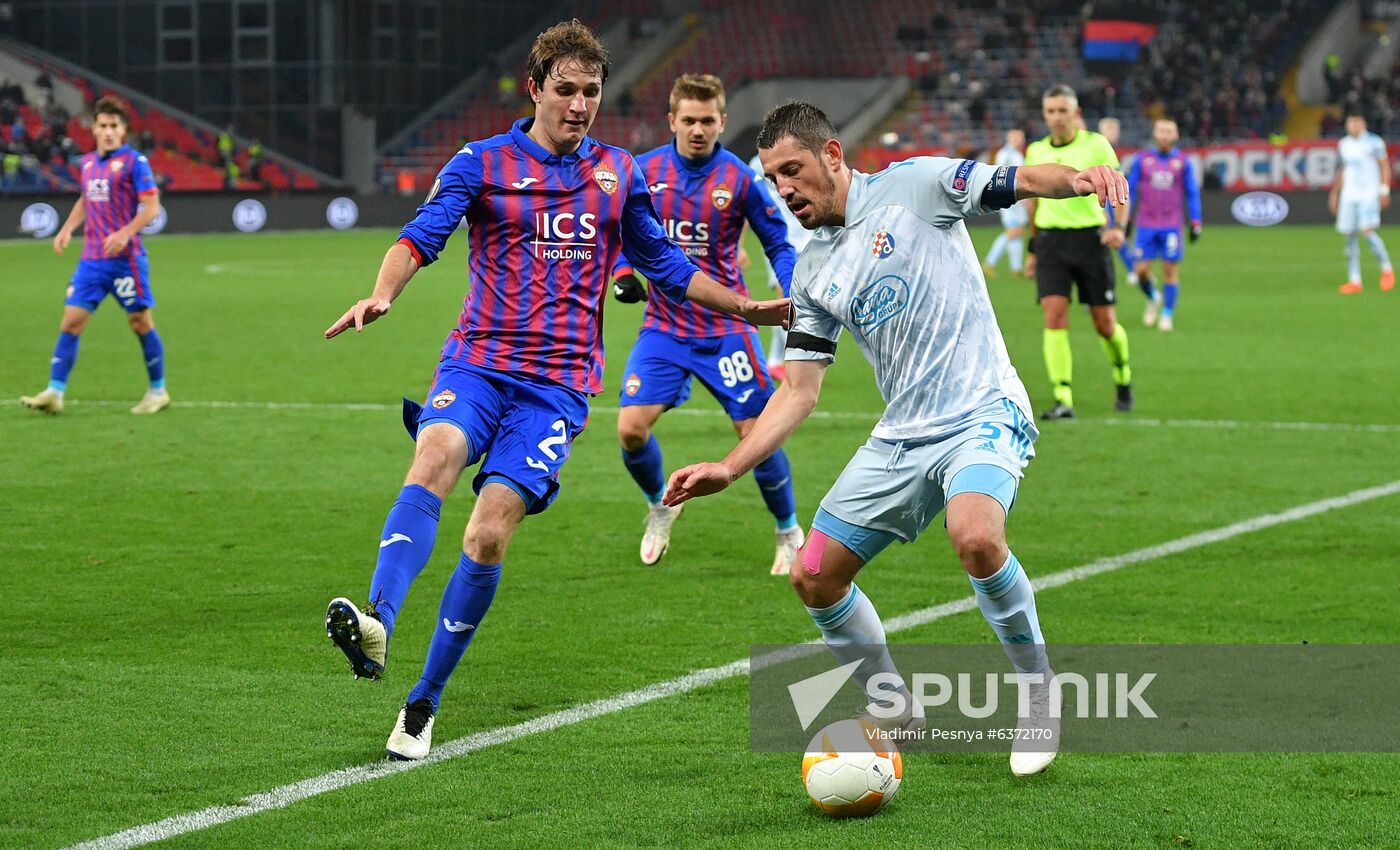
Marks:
<point>1169,291</point>
<point>153,350</point>
<point>404,548</point>
<point>465,601</point>
<point>65,354</point>
<point>647,469</point>
<point>1008,603</point>
<point>774,477</point>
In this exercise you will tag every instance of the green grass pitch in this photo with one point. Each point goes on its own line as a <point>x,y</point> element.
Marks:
<point>165,577</point>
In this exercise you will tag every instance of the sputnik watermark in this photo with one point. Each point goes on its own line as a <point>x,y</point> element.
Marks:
<point>1116,695</point>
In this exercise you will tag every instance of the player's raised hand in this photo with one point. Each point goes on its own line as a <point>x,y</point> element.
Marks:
<point>775,312</point>
<point>364,312</point>
<point>61,240</point>
<point>1105,182</point>
<point>699,479</point>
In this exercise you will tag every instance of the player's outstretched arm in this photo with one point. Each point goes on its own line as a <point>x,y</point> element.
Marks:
<point>794,401</point>
<point>395,272</point>
<point>707,291</point>
<point>1060,181</point>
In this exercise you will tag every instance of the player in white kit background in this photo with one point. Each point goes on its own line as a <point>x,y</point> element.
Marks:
<point>1015,217</point>
<point>890,260</point>
<point>1362,190</point>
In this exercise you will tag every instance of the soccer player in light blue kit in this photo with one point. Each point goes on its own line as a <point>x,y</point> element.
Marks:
<point>1015,217</point>
<point>1158,182</point>
<point>1362,190</point>
<point>119,197</point>
<point>891,262</point>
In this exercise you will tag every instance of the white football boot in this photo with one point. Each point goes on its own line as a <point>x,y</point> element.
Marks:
<point>413,732</point>
<point>154,401</point>
<point>657,537</point>
<point>359,635</point>
<point>1165,324</point>
<point>785,557</point>
<point>1152,310</point>
<point>1037,735</point>
<point>48,401</point>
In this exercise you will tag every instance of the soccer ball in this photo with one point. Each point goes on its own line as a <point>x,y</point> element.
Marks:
<point>849,772</point>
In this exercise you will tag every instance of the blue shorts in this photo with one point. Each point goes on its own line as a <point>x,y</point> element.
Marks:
<point>127,279</point>
<point>1158,243</point>
<point>731,367</point>
<point>523,425</point>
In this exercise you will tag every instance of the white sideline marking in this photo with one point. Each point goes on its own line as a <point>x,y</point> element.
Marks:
<point>871,417</point>
<point>284,796</point>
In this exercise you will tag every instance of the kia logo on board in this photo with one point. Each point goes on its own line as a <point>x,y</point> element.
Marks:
<point>1259,209</point>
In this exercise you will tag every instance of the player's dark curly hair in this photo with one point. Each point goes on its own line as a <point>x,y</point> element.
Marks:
<point>565,41</point>
<point>805,123</point>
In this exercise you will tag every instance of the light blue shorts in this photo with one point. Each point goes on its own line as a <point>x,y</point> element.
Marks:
<point>1356,216</point>
<point>892,490</point>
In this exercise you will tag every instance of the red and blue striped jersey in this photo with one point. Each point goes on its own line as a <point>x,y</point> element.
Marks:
<point>113,185</point>
<point>703,204</point>
<point>544,231</point>
<point>1157,182</point>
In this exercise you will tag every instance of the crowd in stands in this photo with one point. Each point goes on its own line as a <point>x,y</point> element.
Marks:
<point>1216,67</point>
<point>42,145</point>
<point>1377,98</point>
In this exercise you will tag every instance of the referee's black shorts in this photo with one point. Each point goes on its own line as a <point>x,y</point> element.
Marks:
<point>1067,257</point>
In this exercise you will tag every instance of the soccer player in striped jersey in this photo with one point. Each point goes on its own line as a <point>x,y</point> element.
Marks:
<point>891,263</point>
<point>1158,180</point>
<point>548,210</point>
<point>704,194</point>
<point>119,197</point>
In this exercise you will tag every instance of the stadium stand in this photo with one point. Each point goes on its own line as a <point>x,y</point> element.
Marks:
<point>52,137</point>
<point>975,71</point>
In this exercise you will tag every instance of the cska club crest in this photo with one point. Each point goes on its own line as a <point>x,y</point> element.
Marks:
<point>721,197</point>
<point>633,385</point>
<point>607,180</point>
<point>116,166</point>
<point>443,399</point>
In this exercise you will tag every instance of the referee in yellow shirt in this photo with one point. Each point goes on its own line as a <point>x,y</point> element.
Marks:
<point>1070,246</point>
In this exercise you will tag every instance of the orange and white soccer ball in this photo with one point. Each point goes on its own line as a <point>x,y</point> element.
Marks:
<point>849,771</point>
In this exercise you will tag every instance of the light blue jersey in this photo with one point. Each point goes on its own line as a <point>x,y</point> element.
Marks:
<point>1361,162</point>
<point>903,277</point>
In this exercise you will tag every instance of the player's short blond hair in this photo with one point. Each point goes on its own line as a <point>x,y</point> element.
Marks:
<point>701,87</point>
<point>570,40</point>
<point>1110,121</point>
